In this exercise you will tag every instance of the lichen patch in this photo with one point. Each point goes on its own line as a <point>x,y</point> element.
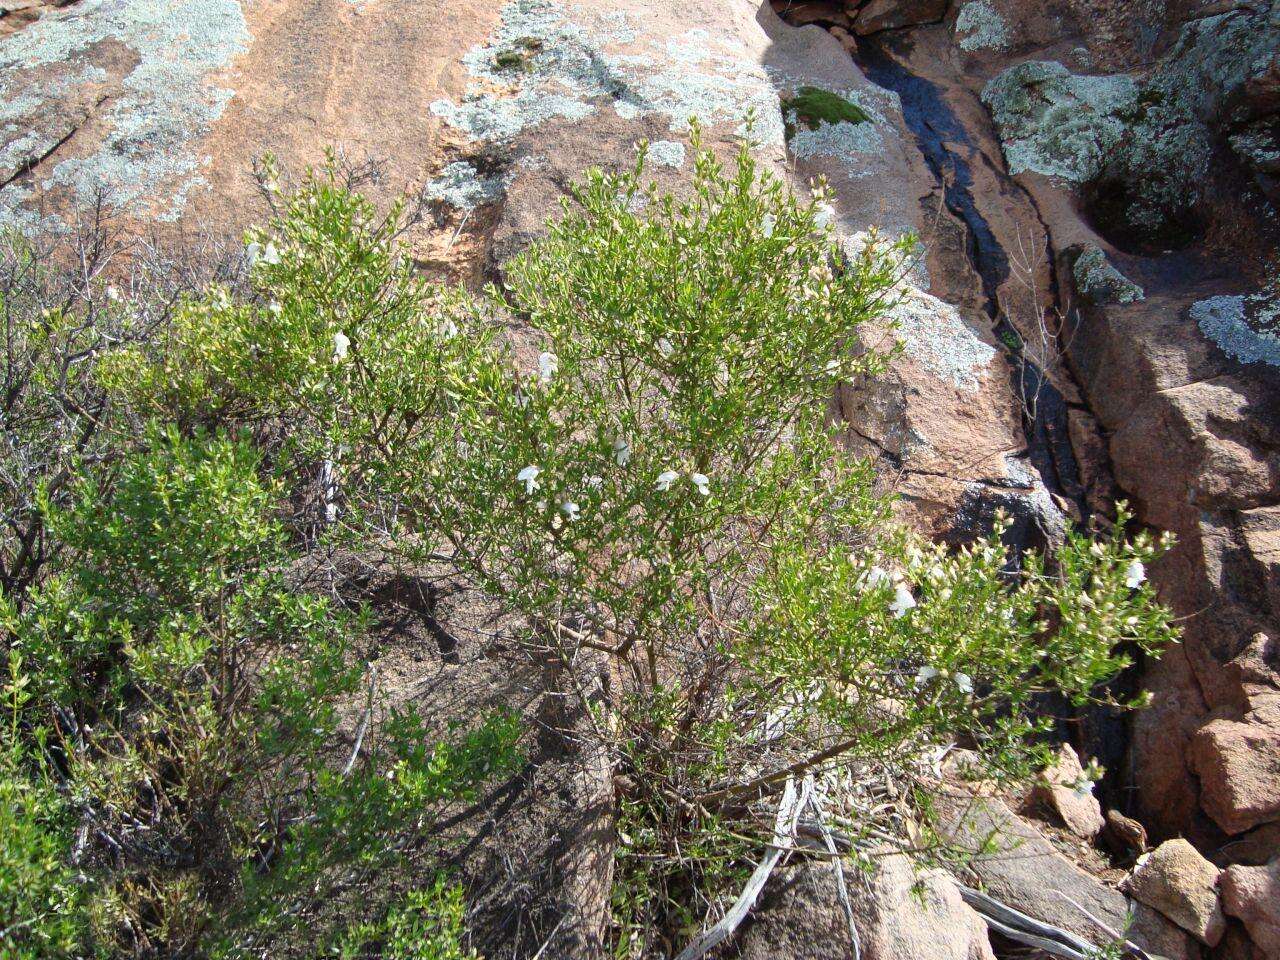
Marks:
<point>1099,281</point>
<point>1245,328</point>
<point>667,153</point>
<point>542,64</point>
<point>935,335</point>
<point>164,102</point>
<point>1056,123</point>
<point>979,26</point>
<point>461,186</point>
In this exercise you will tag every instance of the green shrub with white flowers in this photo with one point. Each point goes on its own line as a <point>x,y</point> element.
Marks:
<point>627,446</point>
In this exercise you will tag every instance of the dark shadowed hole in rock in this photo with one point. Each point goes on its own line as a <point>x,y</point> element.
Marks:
<point>1112,204</point>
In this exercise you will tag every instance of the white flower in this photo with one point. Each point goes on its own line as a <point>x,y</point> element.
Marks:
<point>702,482</point>
<point>665,348</point>
<point>1134,574</point>
<point>448,328</point>
<point>767,224</point>
<point>621,452</point>
<point>1083,787</point>
<point>270,255</point>
<point>253,252</point>
<point>924,675</point>
<point>548,364</point>
<point>964,682</point>
<point>113,293</point>
<point>272,186</point>
<point>594,483</point>
<point>824,214</point>
<point>529,477</point>
<point>275,308</point>
<point>570,509</point>
<point>902,601</point>
<point>340,344</point>
<point>875,577</point>
<point>665,479</point>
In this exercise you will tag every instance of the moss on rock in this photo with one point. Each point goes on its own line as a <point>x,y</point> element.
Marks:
<point>814,106</point>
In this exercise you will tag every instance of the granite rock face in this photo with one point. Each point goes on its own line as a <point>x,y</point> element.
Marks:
<point>1094,309</point>
<point>898,912</point>
<point>1253,895</point>
<point>1018,865</point>
<point>1183,886</point>
<point>1064,789</point>
<point>1162,226</point>
<point>1145,137</point>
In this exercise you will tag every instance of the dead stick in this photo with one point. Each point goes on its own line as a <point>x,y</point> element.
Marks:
<point>364,722</point>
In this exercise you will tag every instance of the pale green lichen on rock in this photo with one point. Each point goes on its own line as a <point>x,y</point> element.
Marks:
<point>1214,56</point>
<point>667,153</point>
<point>979,26</point>
<point>166,100</point>
<point>462,186</point>
<point>1098,280</point>
<point>1056,123</point>
<point>1258,147</point>
<point>1147,144</point>
<point>838,124</point>
<point>841,140</point>
<point>554,66</point>
<point>912,268</point>
<point>935,335</point>
<point>560,73</point>
<point>1245,328</point>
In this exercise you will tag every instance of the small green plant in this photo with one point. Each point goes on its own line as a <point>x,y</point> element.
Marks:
<point>427,925</point>
<point>41,902</point>
<point>519,56</point>
<point>511,60</point>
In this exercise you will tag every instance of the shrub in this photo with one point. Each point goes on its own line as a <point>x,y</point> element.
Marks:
<point>191,698</point>
<point>645,477</point>
<point>338,359</point>
<point>677,345</point>
<point>660,488</point>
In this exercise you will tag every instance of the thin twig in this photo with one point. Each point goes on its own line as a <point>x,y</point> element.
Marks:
<point>364,722</point>
<point>551,936</point>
